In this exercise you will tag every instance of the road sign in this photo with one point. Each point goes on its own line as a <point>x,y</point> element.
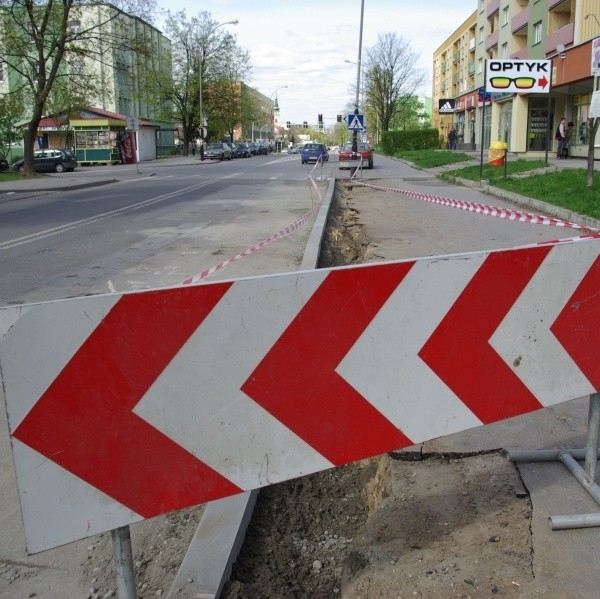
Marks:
<point>518,76</point>
<point>126,406</point>
<point>133,123</point>
<point>356,122</point>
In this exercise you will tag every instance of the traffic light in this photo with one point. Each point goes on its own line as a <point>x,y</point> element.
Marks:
<point>339,118</point>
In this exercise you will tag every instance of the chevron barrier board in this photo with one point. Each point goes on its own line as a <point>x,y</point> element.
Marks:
<point>126,406</point>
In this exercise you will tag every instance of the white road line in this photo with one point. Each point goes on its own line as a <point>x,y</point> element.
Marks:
<point>12,243</point>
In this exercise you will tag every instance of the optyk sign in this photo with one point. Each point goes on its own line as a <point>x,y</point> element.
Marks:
<point>518,76</point>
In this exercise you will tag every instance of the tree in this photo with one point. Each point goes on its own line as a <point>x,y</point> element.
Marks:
<point>592,125</point>
<point>11,109</point>
<point>54,47</point>
<point>205,59</point>
<point>391,77</point>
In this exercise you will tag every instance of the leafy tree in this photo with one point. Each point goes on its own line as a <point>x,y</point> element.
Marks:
<point>11,109</point>
<point>205,58</point>
<point>55,47</point>
<point>391,77</point>
<point>592,125</point>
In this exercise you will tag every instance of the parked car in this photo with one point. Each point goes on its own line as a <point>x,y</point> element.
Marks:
<point>55,160</point>
<point>363,149</point>
<point>313,152</point>
<point>242,150</point>
<point>263,149</point>
<point>253,148</point>
<point>231,147</point>
<point>218,151</point>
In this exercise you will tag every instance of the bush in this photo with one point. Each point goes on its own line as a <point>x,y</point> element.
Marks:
<point>417,139</point>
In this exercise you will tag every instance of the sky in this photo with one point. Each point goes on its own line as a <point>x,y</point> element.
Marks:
<point>298,48</point>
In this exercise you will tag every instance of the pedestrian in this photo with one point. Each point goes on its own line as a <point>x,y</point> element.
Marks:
<point>561,136</point>
<point>452,139</point>
<point>568,136</point>
<point>193,148</point>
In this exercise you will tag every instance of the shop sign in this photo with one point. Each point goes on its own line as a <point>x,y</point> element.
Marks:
<point>596,57</point>
<point>446,105</point>
<point>518,76</point>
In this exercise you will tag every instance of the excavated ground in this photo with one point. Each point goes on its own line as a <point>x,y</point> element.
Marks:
<point>398,525</point>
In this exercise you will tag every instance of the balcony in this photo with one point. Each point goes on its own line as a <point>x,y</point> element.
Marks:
<point>491,40</point>
<point>520,20</point>
<point>472,44</point>
<point>492,8</point>
<point>564,36</point>
<point>520,55</point>
<point>554,3</point>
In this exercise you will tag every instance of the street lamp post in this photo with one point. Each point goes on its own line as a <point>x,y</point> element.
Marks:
<point>272,109</point>
<point>234,22</point>
<point>355,132</point>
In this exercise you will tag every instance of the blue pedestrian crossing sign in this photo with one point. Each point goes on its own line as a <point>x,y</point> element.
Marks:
<point>356,122</point>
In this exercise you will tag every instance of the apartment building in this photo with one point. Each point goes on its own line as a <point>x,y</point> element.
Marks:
<point>562,31</point>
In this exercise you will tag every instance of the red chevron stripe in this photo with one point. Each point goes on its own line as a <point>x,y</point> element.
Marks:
<point>486,384</point>
<point>97,437</point>
<point>577,326</point>
<point>299,370</point>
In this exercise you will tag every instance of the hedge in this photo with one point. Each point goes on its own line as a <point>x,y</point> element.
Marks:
<point>415,139</point>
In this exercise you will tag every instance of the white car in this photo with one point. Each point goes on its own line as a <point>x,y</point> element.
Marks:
<point>218,151</point>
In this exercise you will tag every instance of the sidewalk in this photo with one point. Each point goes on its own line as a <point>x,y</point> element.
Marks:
<point>93,176</point>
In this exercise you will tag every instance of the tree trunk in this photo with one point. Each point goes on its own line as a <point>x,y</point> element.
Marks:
<point>30,138</point>
<point>592,129</point>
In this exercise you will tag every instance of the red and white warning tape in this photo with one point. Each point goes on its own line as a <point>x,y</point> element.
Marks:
<point>264,243</point>
<point>484,209</point>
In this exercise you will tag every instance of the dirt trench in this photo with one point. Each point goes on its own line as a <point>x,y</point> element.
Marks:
<point>390,526</point>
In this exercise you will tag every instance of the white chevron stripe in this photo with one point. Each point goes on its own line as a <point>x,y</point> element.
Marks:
<point>546,368</point>
<point>207,413</point>
<point>384,365</point>
<point>59,328</point>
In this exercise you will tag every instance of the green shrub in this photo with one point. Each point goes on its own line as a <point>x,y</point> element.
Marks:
<point>417,139</point>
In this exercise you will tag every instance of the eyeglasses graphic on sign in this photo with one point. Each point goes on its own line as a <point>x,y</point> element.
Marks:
<point>519,82</point>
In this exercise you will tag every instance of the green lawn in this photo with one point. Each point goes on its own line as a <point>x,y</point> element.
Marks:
<point>565,188</point>
<point>433,158</point>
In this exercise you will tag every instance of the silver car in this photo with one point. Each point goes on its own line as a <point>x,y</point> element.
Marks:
<point>218,151</point>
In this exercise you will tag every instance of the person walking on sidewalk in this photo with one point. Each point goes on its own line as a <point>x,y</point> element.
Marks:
<point>561,137</point>
<point>452,139</point>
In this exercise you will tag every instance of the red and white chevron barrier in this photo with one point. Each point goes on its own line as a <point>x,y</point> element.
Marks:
<point>126,406</point>
<point>516,215</point>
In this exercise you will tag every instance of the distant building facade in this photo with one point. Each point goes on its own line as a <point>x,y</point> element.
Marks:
<point>562,31</point>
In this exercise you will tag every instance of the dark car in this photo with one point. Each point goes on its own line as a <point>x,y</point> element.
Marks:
<point>263,149</point>
<point>363,151</point>
<point>45,161</point>
<point>253,149</point>
<point>242,150</point>
<point>313,152</point>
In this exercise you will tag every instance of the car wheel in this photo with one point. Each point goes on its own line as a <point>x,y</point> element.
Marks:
<point>21,169</point>
<point>230,156</point>
<point>60,167</point>
<point>370,164</point>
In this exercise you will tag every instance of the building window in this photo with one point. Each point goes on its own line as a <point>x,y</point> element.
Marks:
<point>481,36</point>
<point>504,51</point>
<point>537,32</point>
<point>505,15</point>
<point>480,66</point>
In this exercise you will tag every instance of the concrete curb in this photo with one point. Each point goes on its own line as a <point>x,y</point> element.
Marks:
<point>209,559</point>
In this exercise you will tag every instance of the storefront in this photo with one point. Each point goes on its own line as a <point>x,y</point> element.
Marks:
<point>572,86</point>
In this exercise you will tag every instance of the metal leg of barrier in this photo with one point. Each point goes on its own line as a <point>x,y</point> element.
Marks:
<point>585,476</point>
<point>123,562</point>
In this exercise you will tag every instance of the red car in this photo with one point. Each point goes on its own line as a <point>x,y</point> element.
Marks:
<point>363,149</point>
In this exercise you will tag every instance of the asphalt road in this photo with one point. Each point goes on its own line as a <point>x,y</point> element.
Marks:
<point>149,231</point>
